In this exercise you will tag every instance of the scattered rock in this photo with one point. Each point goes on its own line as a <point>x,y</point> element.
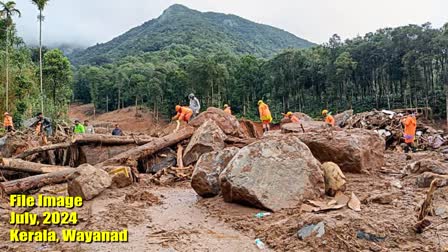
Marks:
<point>334,178</point>
<point>209,137</point>
<point>356,150</point>
<point>273,173</point>
<point>426,165</point>
<point>308,230</point>
<point>89,183</point>
<point>341,198</point>
<point>228,123</point>
<point>383,198</point>
<point>370,237</point>
<point>205,180</point>
<point>424,180</point>
<point>161,160</point>
<point>354,203</point>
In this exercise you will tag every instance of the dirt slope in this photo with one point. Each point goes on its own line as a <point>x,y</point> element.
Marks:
<point>130,119</point>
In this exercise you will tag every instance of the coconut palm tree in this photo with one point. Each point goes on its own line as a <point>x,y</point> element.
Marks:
<point>7,11</point>
<point>40,6</point>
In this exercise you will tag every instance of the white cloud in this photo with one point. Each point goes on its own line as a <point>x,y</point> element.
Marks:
<point>88,22</point>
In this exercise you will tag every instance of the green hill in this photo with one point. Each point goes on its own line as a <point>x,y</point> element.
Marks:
<point>200,32</point>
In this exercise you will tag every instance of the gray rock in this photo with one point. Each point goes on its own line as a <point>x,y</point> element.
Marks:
<point>205,179</point>
<point>357,150</point>
<point>207,138</point>
<point>273,173</point>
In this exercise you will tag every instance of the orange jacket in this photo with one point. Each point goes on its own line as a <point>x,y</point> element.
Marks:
<point>184,114</point>
<point>410,127</point>
<point>294,119</point>
<point>330,120</point>
<point>8,121</point>
<point>265,113</point>
<point>228,111</point>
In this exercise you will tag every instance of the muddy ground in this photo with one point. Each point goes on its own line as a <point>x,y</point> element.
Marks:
<point>174,218</point>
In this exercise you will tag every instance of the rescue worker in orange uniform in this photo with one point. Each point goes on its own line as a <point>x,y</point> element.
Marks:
<point>329,119</point>
<point>410,127</point>
<point>227,109</point>
<point>294,119</point>
<point>7,123</point>
<point>265,115</point>
<point>183,114</point>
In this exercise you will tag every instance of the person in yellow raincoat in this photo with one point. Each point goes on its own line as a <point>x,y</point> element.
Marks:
<point>265,115</point>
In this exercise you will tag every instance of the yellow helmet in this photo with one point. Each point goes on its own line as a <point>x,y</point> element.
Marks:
<point>324,112</point>
<point>289,113</point>
<point>226,105</point>
<point>260,102</point>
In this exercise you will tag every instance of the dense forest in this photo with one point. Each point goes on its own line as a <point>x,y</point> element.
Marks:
<point>390,68</point>
<point>20,93</point>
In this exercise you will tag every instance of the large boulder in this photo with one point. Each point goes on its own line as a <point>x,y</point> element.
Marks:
<point>205,179</point>
<point>89,182</point>
<point>228,123</point>
<point>208,137</point>
<point>356,150</point>
<point>273,173</point>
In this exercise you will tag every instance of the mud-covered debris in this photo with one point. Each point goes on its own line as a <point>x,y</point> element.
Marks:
<point>370,237</point>
<point>169,176</point>
<point>354,203</point>
<point>142,196</point>
<point>306,231</point>
<point>424,180</point>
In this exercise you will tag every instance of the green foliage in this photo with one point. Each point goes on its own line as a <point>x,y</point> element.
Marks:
<point>192,32</point>
<point>391,68</point>
<point>58,76</point>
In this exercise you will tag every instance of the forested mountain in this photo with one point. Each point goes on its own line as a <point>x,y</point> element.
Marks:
<point>391,68</point>
<point>194,31</point>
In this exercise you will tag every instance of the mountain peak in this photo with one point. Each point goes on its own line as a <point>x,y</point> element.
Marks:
<point>198,31</point>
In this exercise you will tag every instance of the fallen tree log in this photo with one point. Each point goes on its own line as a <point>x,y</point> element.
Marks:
<point>130,157</point>
<point>110,140</point>
<point>18,165</point>
<point>38,181</point>
<point>43,148</point>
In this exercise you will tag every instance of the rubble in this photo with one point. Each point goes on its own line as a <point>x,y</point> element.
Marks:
<point>308,230</point>
<point>273,173</point>
<point>208,137</point>
<point>205,180</point>
<point>424,180</point>
<point>356,150</point>
<point>426,165</point>
<point>342,118</point>
<point>388,125</point>
<point>89,182</point>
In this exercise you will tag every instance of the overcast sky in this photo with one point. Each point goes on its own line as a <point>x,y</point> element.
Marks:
<point>87,22</point>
